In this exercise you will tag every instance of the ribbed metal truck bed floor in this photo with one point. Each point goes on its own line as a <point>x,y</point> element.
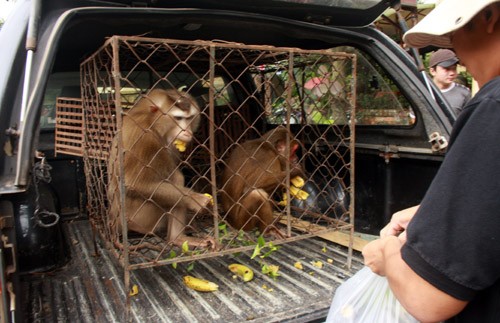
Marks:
<point>91,289</point>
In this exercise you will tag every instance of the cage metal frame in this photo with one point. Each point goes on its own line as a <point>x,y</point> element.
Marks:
<point>94,156</point>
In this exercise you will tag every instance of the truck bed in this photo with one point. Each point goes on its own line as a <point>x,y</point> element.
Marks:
<point>90,288</point>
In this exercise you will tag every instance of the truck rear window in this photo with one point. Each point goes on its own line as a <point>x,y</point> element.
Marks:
<point>319,97</point>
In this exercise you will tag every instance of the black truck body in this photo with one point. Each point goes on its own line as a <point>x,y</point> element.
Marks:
<point>57,262</point>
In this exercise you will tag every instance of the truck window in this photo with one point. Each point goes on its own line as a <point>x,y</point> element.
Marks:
<point>379,101</point>
<point>65,84</point>
<point>319,96</point>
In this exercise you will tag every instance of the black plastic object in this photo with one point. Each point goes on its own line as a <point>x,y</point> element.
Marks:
<point>326,197</point>
<point>40,240</point>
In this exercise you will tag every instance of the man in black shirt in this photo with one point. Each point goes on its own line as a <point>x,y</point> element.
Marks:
<point>442,258</point>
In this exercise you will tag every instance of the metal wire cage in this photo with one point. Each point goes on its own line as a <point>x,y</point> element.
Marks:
<point>242,92</point>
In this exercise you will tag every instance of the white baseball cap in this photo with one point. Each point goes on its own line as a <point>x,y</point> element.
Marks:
<point>449,15</point>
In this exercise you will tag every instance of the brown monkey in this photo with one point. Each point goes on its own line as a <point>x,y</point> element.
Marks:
<point>253,172</point>
<point>156,198</point>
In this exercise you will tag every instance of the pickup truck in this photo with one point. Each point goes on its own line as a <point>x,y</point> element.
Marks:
<point>372,131</point>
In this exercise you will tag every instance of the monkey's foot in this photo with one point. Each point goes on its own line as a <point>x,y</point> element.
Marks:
<point>276,233</point>
<point>194,242</point>
<point>139,246</point>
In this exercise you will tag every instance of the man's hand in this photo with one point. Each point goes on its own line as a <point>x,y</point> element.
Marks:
<point>398,224</point>
<point>377,253</point>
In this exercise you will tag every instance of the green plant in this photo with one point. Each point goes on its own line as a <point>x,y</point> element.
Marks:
<point>263,250</point>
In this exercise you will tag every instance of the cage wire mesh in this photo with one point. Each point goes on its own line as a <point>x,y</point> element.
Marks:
<point>309,93</point>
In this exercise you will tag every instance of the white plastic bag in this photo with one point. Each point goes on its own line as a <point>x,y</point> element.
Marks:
<point>366,298</point>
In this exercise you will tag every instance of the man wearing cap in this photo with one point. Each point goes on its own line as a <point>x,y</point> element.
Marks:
<point>442,258</point>
<point>443,68</point>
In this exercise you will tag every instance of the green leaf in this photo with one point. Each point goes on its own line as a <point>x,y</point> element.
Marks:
<point>261,242</point>
<point>174,265</point>
<point>270,270</point>
<point>267,254</point>
<point>223,228</point>
<point>256,252</point>
<point>185,247</point>
<point>190,266</point>
<point>241,235</point>
<point>273,247</point>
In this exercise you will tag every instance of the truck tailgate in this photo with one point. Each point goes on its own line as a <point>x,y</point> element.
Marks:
<point>90,288</point>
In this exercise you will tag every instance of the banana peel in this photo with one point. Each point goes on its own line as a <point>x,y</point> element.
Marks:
<point>134,291</point>
<point>199,284</point>
<point>180,145</point>
<point>243,272</point>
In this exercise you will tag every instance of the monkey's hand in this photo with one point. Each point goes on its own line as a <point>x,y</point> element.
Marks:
<point>195,242</point>
<point>296,171</point>
<point>198,202</point>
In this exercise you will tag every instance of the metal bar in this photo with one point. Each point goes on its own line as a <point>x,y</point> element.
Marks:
<point>31,42</point>
<point>291,82</point>
<point>3,283</point>
<point>352,129</point>
<point>123,212</point>
<point>229,251</point>
<point>213,175</point>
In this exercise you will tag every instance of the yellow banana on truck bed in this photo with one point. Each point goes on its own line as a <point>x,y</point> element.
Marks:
<point>199,284</point>
<point>242,271</point>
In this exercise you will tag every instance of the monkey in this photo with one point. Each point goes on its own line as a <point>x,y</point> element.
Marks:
<point>156,199</point>
<point>253,172</point>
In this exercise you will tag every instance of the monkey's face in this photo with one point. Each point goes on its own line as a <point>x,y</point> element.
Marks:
<point>176,115</point>
<point>281,148</point>
<point>183,123</point>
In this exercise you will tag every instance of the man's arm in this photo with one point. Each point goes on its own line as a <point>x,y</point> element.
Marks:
<point>421,299</point>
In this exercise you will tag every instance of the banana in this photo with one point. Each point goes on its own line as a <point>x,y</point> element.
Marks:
<point>134,291</point>
<point>298,265</point>
<point>298,181</point>
<point>180,145</point>
<point>211,198</point>
<point>242,271</point>
<point>199,284</point>
<point>298,193</point>
<point>283,202</point>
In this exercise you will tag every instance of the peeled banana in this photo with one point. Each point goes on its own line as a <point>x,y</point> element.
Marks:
<point>283,202</point>
<point>241,271</point>
<point>180,145</point>
<point>298,181</point>
<point>199,284</point>
<point>298,193</point>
